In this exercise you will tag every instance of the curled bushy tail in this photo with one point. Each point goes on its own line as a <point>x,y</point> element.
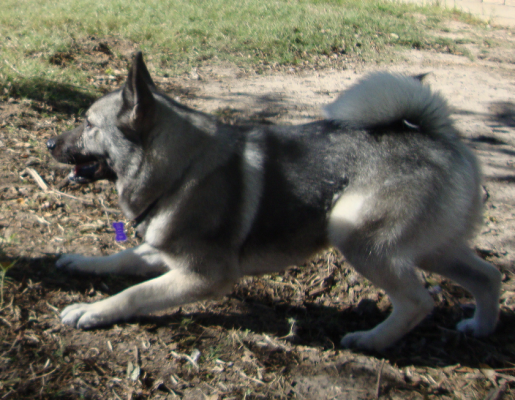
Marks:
<point>383,98</point>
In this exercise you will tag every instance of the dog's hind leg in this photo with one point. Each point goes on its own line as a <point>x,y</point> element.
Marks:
<point>141,260</point>
<point>392,272</point>
<point>411,303</point>
<point>479,277</point>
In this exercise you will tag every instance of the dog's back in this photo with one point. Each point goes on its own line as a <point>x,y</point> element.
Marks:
<point>387,166</point>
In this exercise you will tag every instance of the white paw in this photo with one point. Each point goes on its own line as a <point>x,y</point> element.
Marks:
<point>72,262</point>
<point>475,328</point>
<point>364,340</point>
<point>85,316</point>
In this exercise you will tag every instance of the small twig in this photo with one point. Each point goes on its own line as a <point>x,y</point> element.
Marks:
<point>498,393</point>
<point>185,357</point>
<point>379,375</point>
<point>242,374</point>
<point>120,246</point>
<point>277,344</point>
<point>136,356</point>
<point>44,375</point>
<point>116,395</point>
<point>290,334</point>
<point>3,272</point>
<point>39,180</point>
<point>106,212</point>
<point>6,322</point>
<point>508,378</point>
<point>83,201</point>
<point>42,220</point>
<point>54,309</point>
<point>291,285</point>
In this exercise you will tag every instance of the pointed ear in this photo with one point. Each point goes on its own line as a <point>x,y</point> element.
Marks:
<point>137,62</point>
<point>138,109</point>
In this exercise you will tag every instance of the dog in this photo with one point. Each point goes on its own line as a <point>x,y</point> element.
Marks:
<point>384,178</point>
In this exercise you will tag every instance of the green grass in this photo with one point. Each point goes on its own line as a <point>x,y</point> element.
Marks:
<point>180,34</point>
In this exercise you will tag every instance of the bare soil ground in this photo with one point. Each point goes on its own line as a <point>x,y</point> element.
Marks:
<point>274,336</point>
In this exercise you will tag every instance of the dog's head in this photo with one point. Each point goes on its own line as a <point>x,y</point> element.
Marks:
<point>109,141</point>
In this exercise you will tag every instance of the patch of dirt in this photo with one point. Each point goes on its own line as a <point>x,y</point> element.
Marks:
<point>274,336</point>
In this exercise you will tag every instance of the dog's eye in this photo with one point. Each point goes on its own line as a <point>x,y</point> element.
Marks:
<point>88,124</point>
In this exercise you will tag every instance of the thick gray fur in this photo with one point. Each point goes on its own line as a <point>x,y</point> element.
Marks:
<point>385,179</point>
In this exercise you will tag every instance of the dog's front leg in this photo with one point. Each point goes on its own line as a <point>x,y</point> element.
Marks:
<point>179,286</point>
<point>141,260</point>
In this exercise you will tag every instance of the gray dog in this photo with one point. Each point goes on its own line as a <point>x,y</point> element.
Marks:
<point>385,179</point>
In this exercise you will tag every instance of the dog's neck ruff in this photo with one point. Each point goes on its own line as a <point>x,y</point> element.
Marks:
<point>140,218</point>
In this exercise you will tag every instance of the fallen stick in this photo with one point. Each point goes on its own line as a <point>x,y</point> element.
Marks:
<point>379,376</point>
<point>39,180</point>
<point>43,186</point>
<point>84,201</point>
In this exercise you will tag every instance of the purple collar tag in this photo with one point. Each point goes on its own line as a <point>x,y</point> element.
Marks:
<point>120,232</point>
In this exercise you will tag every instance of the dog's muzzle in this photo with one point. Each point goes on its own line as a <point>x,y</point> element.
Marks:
<point>87,168</point>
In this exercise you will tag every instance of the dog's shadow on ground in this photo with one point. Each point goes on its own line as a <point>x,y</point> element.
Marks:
<point>433,343</point>
<point>430,344</point>
<point>503,113</point>
<point>65,98</point>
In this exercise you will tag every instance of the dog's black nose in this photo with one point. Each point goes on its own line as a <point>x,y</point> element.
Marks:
<point>50,144</point>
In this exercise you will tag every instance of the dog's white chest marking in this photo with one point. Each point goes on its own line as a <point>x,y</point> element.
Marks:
<point>346,215</point>
<point>158,227</point>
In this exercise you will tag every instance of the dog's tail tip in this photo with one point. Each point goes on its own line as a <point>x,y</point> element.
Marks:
<point>382,99</point>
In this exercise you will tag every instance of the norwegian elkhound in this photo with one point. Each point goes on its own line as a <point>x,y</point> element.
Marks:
<point>384,178</point>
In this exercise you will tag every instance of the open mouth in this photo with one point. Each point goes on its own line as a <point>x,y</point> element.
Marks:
<point>91,171</point>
